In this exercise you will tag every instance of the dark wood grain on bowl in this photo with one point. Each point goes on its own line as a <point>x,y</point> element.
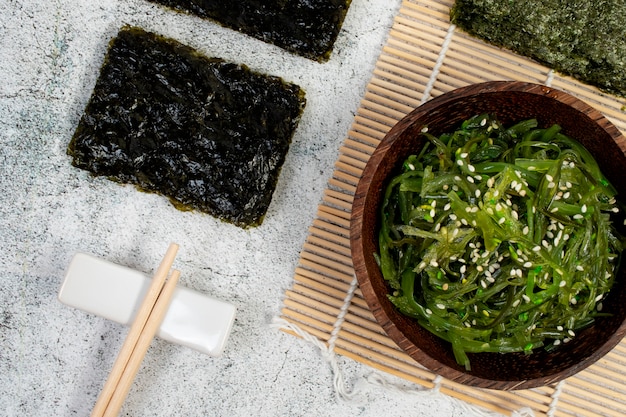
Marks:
<point>510,102</point>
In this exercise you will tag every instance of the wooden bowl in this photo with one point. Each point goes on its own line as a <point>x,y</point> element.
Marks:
<point>510,102</point>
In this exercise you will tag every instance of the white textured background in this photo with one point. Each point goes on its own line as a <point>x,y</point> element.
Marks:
<point>54,359</point>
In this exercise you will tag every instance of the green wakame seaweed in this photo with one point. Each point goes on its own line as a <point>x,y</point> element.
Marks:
<point>208,134</point>
<point>306,27</point>
<point>580,38</point>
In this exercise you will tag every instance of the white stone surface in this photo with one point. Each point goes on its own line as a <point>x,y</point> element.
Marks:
<point>55,359</point>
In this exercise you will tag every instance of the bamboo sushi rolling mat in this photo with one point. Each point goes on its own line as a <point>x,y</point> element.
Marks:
<point>424,57</point>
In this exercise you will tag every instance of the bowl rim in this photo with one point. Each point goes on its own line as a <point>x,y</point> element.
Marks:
<point>356,229</point>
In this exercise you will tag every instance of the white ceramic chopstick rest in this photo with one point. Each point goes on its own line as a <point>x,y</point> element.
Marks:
<point>115,292</point>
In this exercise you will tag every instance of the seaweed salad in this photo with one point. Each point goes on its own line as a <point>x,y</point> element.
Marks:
<point>208,134</point>
<point>582,38</point>
<point>306,27</point>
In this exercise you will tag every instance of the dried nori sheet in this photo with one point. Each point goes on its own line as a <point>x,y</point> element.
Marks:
<point>208,134</point>
<point>306,27</point>
<point>585,39</point>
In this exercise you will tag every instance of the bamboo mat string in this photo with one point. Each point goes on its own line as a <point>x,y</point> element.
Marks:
<point>379,381</point>
<point>437,68</point>
<point>549,78</point>
<point>342,314</point>
<point>555,399</point>
<point>329,355</point>
<point>339,383</point>
<point>375,379</point>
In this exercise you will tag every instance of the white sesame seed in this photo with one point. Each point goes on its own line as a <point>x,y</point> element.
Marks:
<point>471,168</point>
<point>437,227</point>
<point>598,297</point>
<point>562,283</point>
<point>550,234</point>
<point>429,311</point>
<point>464,155</point>
<point>491,279</point>
<point>526,298</point>
<point>525,230</point>
<point>545,243</point>
<point>515,215</point>
<point>583,209</point>
<point>459,162</point>
<point>470,179</point>
<point>464,222</point>
<point>501,220</point>
<point>483,284</point>
<point>475,209</point>
<point>549,177</point>
<point>446,207</point>
<point>556,342</point>
<point>571,333</point>
<point>490,182</point>
<point>554,210</point>
<point>463,269</point>
<point>579,268</point>
<point>445,286</point>
<point>432,213</point>
<point>568,184</point>
<point>441,306</point>
<point>573,300</point>
<point>477,193</point>
<point>422,265</point>
<point>434,263</point>
<point>433,204</point>
<point>446,187</point>
<point>528,264</point>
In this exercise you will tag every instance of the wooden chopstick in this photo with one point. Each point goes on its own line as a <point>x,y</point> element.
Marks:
<point>145,338</point>
<point>135,331</point>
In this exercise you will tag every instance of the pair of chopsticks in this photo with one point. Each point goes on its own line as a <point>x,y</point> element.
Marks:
<point>142,331</point>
